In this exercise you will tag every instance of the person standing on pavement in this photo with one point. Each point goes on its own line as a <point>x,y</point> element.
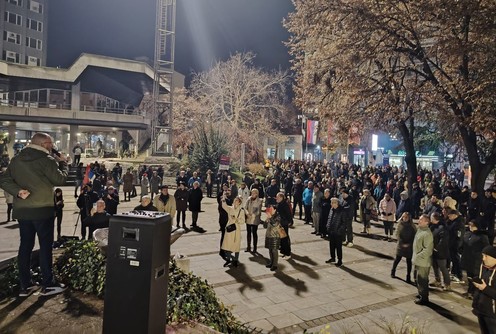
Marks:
<point>474,242</point>
<point>440,252</point>
<point>387,210</point>
<point>85,202</point>
<point>253,207</point>
<point>272,237</point>
<point>30,178</point>
<point>307,202</point>
<point>77,150</point>
<point>423,245</point>
<point>232,239</point>
<point>405,233</point>
<point>484,304</point>
<point>316,209</point>
<point>58,199</point>
<point>225,193</point>
<point>326,208</point>
<point>194,200</point>
<point>284,211</point>
<point>456,229</point>
<point>111,199</point>
<point>79,179</point>
<point>165,202</point>
<point>298,197</point>
<point>181,195</point>
<point>336,227</point>
<point>127,185</point>
<point>348,203</point>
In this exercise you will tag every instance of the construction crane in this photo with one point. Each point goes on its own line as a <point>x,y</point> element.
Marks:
<point>164,72</point>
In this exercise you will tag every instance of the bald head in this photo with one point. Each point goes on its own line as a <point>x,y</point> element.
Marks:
<point>40,138</point>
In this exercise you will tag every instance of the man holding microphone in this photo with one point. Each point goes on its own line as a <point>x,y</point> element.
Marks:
<point>30,178</point>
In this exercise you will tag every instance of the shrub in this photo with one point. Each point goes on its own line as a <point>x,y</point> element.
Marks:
<point>257,169</point>
<point>190,298</point>
<point>82,267</point>
<point>9,279</point>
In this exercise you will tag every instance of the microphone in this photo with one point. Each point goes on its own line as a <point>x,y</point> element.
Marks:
<point>55,152</point>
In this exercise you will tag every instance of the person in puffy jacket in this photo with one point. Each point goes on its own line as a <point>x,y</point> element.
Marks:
<point>336,229</point>
<point>405,233</point>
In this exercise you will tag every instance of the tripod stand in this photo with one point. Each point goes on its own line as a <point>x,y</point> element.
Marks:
<point>77,222</point>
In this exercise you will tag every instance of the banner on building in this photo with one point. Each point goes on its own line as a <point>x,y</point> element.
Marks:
<point>312,127</point>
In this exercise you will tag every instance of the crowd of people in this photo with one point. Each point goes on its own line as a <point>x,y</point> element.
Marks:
<point>437,222</point>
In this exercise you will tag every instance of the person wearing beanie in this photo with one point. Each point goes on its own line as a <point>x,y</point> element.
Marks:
<point>484,304</point>
<point>474,242</point>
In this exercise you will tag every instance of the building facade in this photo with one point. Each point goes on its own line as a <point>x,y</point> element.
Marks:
<point>23,29</point>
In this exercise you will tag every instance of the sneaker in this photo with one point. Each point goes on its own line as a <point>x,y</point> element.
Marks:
<point>287,257</point>
<point>350,244</point>
<point>421,301</point>
<point>313,232</point>
<point>54,289</point>
<point>345,243</point>
<point>339,263</point>
<point>456,280</point>
<point>28,291</point>
<point>447,288</point>
<point>435,284</point>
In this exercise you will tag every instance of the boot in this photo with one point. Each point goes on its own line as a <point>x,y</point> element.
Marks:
<point>393,273</point>
<point>408,279</point>
<point>248,249</point>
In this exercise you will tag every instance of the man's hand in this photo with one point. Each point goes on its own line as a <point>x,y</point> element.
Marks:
<point>23,193</point>
<point>480,286</point>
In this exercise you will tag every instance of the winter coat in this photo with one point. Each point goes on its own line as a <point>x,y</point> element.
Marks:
<point>272,237</point>
<point>285,212</point>
<point>181,196</point>
<point>423,245</point>
<point>336,222</point>
<point>326,208</point>
<point>316,198</point>
<point>33,169</point>
<point>404,206</point>
<point>440,235</point>
<point>473,243</point>
<point>232,240</point>
<point>168,205</point>
<point>144,185</point>
<point>155,182</point>
<point>405,233</point>
<point>195,199</point>
<point>367,204</point>
<point>127,181</point>
<point>307,196</point>
<point>456,229</point>
<point>253,209</point>
<point>387,210</point>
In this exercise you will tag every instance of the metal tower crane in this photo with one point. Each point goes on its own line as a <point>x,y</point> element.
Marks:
<point>164,71</point>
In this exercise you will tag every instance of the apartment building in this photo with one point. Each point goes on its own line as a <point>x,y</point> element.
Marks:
<point>23,31</point>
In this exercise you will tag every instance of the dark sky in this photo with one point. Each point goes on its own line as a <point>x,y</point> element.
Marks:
<point>206,31</point>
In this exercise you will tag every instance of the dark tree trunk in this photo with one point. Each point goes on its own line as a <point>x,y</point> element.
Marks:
<point>407,132</point>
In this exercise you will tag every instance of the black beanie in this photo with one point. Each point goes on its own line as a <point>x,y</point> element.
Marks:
<point>489,250</point>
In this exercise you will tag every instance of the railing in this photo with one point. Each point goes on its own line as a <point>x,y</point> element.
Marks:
<point>62,106</point>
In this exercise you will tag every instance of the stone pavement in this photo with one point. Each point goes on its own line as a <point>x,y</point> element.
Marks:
<point>305,292</point>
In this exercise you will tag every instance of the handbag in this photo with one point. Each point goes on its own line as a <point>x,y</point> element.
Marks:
<point>232,227</point>
<point>282,232</point>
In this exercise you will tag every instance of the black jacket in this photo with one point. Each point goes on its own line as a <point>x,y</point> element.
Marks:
<point>111,203</point>
<point>456,230</point>
<point>336,222</point>
<point>485,301</point>
<point>473,243</point>
<point>441,241</point>
<point>285,213</point>
<point>194,199</point>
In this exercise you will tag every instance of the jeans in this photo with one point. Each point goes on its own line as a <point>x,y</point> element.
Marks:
<point>308,213</point>
<point>28,230</point>
<point>388,228</point>
<point>408,266</point>
<point>251,230</point>
<point>440,265</point>
<point>455,261</point>
<point>178,217</point>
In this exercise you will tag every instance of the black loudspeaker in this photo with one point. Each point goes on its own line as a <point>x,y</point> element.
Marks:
<point>137,273</point>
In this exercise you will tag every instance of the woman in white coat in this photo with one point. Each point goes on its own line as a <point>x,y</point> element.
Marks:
<point>232,238</point>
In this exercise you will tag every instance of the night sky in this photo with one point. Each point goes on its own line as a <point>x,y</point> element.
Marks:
<point>206,31</point>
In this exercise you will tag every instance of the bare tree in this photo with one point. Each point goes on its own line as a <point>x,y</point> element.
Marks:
<point>432,59</point>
